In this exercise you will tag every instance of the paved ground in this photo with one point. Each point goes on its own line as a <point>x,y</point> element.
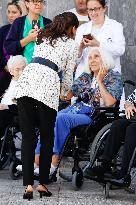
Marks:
<point>63,194</point>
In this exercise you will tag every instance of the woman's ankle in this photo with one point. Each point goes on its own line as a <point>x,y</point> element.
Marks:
<point>29,188</point>
<point>55,160</point>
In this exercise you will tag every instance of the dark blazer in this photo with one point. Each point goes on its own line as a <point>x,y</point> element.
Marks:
<point>12,42</point>
<point>3,33</point>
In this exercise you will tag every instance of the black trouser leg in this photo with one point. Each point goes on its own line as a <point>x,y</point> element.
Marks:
<point>129,146</point>
<point>115,138</point>
<point>27,114</point>
<point>47,117</point>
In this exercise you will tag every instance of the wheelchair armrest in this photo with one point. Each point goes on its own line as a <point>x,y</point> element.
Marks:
<point>130,82</point>
<point>108,109</point>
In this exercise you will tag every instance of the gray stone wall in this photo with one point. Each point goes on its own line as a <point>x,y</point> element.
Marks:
<point>52,8</point>
<point>122,10</point>
<point>125,12</point>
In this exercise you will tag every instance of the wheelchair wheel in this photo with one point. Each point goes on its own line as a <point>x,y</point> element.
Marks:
<point>13,172</point>
<point>77,179</point>
<point>5,149</point>
<point>99,143</point>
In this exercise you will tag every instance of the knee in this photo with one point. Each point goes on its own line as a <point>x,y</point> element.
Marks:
<point>116,124</point>
<point>130,132</point>
<point>62,118</point>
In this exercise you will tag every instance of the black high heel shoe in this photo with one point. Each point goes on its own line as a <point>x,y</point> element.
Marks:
<point>46,192</point>
<point>28,195</point>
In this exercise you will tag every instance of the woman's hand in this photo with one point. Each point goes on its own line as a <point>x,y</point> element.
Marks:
<point>92,42</point>
<point>81,48</point>
<point>67,97</point>
<point>101,75</point>
<point>32,35</point>
<point>129,110</point>
<point>3,107</point>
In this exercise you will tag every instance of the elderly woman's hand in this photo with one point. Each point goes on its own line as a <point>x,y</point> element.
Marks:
<point>129,110</point>
<point>101,75</point>
<point>93,42</point>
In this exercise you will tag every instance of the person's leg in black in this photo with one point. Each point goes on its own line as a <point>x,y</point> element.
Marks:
<point>47,117</point>
<point>115,138</point>
<point>123,178</point>
<point>129,146</point>
<point>113,143</point>
<point>26,110</point>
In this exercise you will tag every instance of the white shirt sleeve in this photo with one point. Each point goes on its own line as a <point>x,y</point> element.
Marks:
<point>116,45</point>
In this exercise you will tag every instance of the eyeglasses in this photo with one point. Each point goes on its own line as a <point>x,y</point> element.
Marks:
<point>35,2</point>
<point>96,9</point>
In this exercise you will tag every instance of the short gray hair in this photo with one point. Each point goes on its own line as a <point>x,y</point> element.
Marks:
<point>17,61</point>
<point>107,59</point>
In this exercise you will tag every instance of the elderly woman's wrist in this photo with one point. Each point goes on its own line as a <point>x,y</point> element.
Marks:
<point>128,104</point>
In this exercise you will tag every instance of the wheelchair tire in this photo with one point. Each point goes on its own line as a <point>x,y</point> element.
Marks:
<point>5,150</point>
<point>13,172</point>
<point>77,180</point>
<point>98,140</point>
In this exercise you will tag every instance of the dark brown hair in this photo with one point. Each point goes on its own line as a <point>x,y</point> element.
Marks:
<point>58,28</point>
<point>102,2</point>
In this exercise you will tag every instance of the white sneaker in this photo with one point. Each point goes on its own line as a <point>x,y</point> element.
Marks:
<point>19,168</point>
<point>36,171</point>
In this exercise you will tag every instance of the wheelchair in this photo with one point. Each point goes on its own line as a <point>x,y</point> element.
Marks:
<point>79,145</point>
<point>95,159</point>
<point>10,149</point>
<point>85,143</point>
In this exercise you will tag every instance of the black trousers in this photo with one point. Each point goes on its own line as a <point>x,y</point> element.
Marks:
<point>30,111</point>
<point>121,131</point>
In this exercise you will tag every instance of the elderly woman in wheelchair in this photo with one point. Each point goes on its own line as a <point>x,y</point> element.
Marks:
<point>98,86</point>
<point>121,131</point>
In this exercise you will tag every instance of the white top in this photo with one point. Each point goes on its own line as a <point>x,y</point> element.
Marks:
<point>8,96</point>
<point>111,38</point>
<point>82,19</point>
<point>94,85</point>
<point>41,82</point>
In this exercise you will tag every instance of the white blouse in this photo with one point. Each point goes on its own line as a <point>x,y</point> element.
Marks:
<point>7,98</point>
<point>43,83</point>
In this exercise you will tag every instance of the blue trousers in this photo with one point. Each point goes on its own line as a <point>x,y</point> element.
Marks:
<point>64,123</point>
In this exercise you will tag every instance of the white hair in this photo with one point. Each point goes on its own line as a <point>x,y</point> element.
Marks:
<point>107,59</point>
<point>17,61</point>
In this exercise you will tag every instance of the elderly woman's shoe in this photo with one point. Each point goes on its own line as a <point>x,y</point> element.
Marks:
<point>44,191</point>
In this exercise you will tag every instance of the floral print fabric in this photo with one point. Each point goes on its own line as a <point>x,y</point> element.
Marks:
<point>83,89</point>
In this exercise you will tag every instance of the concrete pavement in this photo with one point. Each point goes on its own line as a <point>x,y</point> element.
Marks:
<point>11,192</point>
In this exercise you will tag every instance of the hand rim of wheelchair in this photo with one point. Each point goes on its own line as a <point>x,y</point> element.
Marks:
<point>6,156</point>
